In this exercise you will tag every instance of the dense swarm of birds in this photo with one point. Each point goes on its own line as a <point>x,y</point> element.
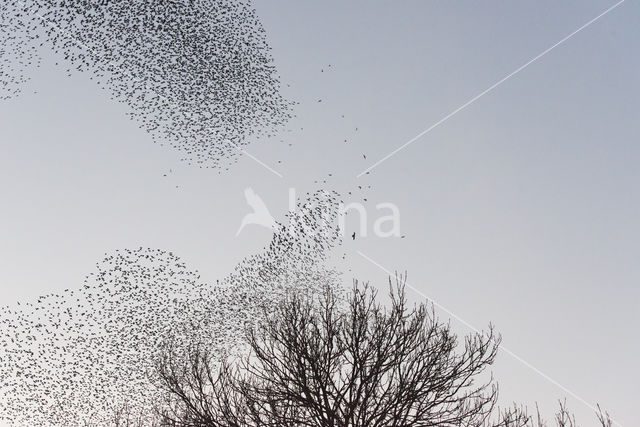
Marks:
<point>18,54</point>
<point>79,356</point>
<point>197,74</point>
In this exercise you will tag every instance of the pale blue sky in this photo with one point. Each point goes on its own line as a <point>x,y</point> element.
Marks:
<point>521,210</point>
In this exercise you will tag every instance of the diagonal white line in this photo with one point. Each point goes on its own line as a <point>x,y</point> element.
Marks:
<point>85,47</point>
<point>500,346</point>
<point>246,153</point>
<point>487,90</point>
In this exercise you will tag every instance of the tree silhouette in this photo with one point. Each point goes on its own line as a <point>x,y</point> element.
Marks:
<point>326,361</point>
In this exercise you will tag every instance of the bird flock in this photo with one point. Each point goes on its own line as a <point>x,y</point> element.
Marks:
<point>196,74</point>
<point>18,54</point>
<point>78,356</point>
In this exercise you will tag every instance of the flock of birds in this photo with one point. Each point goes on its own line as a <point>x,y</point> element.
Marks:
<point>197,75</point>
<point>79,356</point>
<point>17,54</point>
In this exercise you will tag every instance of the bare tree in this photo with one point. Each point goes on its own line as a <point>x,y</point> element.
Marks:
<point>321,361</point>
<point>518,417</point>
<point>314,362</point>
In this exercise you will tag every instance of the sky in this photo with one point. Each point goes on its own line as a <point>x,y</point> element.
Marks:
<point>520,209</point>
